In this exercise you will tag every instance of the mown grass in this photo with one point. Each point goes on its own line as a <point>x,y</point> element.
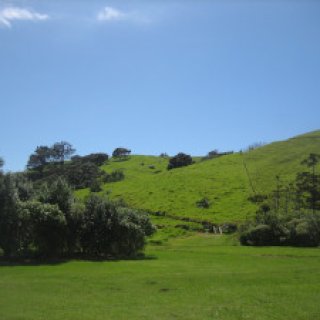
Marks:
<point>195,277</point>
<point>224,181</point>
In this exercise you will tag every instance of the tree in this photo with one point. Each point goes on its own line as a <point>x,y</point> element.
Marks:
<point>121,153</point>
<point>41,156</point>
<point>82,175</point>
<point>1,163</point>
<point>8,215</point>
<point>62,151</point>
<point>97,158</point>
<point>44,155</point>
<point>308,183</point>
<point>47,225</point>
<point>60,194</point>
<point>109,229</point>
<point>179,160</point>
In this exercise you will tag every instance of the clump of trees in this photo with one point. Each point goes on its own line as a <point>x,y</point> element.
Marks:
<point>57,153</point>
<point>179,160</point>
<point>215,154</point>
<point>291,214</point>
<point>49,222</point>
<point>96,158</point>
<point>121,153</point>
<point>47,164</point>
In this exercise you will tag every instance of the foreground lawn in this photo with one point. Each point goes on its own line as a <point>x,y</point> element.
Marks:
<point>197,277</point>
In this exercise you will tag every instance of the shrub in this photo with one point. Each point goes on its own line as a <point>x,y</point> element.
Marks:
<point>229,227</point>
<point>82,174</point>
<point>112,230</point>
<point>179,160</point>
<point>46,226</point>
<point>203,203</point>
<point>304,231</point>
<point>260,235</point>
<point>97,158</point>
<point>114,176</point>
<point>257,198</point>
<point>96,186</point>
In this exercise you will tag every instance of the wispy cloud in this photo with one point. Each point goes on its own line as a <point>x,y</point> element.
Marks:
<point>9,14</point>
<point>111,14</point>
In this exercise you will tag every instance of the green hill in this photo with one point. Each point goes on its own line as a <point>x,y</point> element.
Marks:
<point>226,181</point>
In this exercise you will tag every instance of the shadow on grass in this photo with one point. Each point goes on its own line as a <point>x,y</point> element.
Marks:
<point>16,262</point>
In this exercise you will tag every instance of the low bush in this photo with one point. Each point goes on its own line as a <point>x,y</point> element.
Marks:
<point>114,176</point>
<point>203,203</point>
<point>259,235</point>
<point>301,229</point>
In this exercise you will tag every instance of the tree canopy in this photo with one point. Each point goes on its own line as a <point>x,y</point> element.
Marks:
<point>179,160</point>
<point>121,153</point>
<point>57,153</point>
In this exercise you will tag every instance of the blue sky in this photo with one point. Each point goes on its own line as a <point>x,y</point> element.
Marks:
<point>156,76</point>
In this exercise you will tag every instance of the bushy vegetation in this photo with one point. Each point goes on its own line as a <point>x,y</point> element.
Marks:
<point>179,160</point>
<point>114,176</point>
<point>291,214</point>
<point>109,229</point>
<point>47,164</point>
<point>203,203</point>
<point>50,223</point>
<point>121,153</point>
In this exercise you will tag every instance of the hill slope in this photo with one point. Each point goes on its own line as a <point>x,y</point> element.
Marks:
<point>225,181</point>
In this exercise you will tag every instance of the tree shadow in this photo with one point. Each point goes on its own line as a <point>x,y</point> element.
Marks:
<point>17,262</point>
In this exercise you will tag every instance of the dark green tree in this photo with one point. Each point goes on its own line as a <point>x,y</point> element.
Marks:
<point>97,158</point>
<point>121,153</point>
<point>9,227</point>
<point>179,160</point>
<point>47,225</point>
<point>109,229</point>
<point>41,156</point>
<point>62,151</point>
<point>308,184</point>
<point>61,194</point>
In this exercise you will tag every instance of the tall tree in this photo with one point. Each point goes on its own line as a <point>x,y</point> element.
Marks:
<point>62,151</point>
<point>308,183</point>
<point>41,156</point>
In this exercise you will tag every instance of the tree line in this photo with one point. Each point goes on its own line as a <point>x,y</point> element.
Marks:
<point>47,163</point>
<point>48,221</point>
<point>290,215</point>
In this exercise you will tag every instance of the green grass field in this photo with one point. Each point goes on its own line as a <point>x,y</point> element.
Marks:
<point>195,277</point>
<point>224,181</point>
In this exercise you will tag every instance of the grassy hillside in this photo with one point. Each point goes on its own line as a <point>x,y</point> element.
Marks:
<point>225,181</point>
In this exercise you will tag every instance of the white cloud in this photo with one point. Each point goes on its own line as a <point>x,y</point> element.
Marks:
<point>111,14</point>
<point>7,15</point>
